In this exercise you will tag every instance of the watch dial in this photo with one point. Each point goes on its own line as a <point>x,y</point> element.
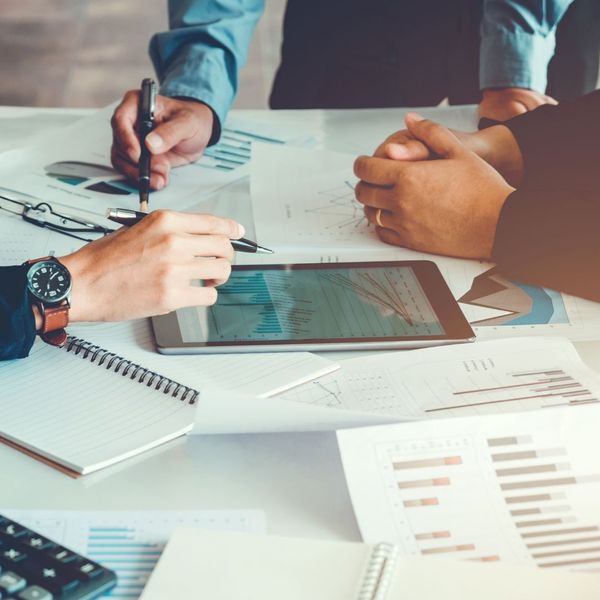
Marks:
<point>50,281</point>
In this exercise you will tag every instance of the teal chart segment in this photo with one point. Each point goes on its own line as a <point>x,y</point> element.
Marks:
<point>311,304</point>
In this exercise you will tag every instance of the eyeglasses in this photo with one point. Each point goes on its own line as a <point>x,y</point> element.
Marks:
<point>43,215</point>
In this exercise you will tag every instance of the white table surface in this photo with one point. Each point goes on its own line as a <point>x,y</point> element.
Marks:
<point>297,479</point>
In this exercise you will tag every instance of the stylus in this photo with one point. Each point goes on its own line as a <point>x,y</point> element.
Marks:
<point>124,216</point>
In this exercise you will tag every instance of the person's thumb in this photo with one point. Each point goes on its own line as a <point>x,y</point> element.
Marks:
<point>410,150</point>
<point>437,138</point>
<point>168,134</point>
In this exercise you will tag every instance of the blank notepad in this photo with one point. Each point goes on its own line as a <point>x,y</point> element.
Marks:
<point>85,415</point>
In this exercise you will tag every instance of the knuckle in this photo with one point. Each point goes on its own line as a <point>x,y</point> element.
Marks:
<point>167,296</point>
<point>359,192</point>
<point>223,244</point>
<point>359,165</point>
<point>223,268</point>
<point>160,218</point>
<point>212,223</point>
<point>164,273</point>
<point>169,243</point>
<point>131,95</point>
<point>210,296</point>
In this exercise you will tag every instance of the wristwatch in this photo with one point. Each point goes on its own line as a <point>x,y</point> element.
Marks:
<point>49,286</point>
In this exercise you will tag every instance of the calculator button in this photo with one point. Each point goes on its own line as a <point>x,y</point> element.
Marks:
<point>37,542</point>
<point>12,529</point>
<point>11,582</point>
<point>48,576</point>
<point>90,570</point>
<point>62,555</point>
<point>13,555</point>
<point>35,592</point>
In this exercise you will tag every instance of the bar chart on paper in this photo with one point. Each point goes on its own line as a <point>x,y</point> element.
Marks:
<point>483,489</point>
<point>129,542</point>
<point>488,377</point>
<point>234,149</point>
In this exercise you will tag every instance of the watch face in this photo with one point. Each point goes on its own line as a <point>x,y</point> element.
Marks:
<point>49,281</point>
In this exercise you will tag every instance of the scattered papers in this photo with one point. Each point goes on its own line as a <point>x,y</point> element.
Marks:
<point>516,488</point>
<point>468,379</point>
<point>72,166</point>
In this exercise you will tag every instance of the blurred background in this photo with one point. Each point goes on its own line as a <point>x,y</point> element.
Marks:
<point>86,53</point>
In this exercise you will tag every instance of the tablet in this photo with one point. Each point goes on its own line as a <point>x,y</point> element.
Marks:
<point>336,306</point>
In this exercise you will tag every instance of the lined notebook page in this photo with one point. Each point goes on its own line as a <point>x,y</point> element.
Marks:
<point>259,374</point>
<point>81,415</point>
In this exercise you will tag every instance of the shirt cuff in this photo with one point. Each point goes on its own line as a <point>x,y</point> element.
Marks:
<point>201,77</point>
<point>17,323</point>
<point>515,59</point>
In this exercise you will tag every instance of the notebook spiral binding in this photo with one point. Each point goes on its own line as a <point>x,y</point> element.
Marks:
<point>118,364</point>
<point>380,569</point>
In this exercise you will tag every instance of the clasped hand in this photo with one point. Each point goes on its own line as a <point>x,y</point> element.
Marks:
<point>435,193</point>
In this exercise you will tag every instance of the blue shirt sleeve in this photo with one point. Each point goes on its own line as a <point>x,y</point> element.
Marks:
<point>518,41</point>
<point>202,54</point>
<point>17,324</point>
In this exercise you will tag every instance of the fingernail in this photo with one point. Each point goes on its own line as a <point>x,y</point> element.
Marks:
<point>396,151</point>
<point>154,141</point>
<point>160,183</point>
<point>414,116</point>
<point>241,230</point>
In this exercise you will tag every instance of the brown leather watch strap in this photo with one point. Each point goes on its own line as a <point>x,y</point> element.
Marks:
<point>37,260</point>
<point>56,317</point>
<point>56,338</point>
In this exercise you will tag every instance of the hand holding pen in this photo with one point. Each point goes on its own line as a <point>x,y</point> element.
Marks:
<point>182,130</point>
<point>127,217</point>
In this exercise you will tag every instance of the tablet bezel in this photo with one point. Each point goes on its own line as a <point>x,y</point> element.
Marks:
<point>169,340</point>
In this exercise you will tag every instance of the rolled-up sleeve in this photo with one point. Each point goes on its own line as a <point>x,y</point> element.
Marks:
<point>17,324</point>
<point>518,41</point>
<point>202,54</point>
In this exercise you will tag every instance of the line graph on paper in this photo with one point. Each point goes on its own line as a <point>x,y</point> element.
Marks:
<point>339,209</point>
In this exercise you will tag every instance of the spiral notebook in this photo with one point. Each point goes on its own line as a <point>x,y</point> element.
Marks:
<point>83,408</point>
<point>225,566</point>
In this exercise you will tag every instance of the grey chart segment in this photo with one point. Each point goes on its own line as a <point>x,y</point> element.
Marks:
<point>538,516</point>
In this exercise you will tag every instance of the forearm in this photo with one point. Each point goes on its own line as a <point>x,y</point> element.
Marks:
<point>518,41</point>
<point>548,237</point>
<point>560,145</point>
<point>17,324</point>
<point>200,57</point>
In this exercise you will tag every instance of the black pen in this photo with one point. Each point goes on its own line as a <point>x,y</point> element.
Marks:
<point>145,126</point>
<point>124,216</point>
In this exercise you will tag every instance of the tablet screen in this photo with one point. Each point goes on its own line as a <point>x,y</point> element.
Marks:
<point>300,303</point>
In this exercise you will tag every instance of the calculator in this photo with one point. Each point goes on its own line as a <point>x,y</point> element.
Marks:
<point>32,567</point>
